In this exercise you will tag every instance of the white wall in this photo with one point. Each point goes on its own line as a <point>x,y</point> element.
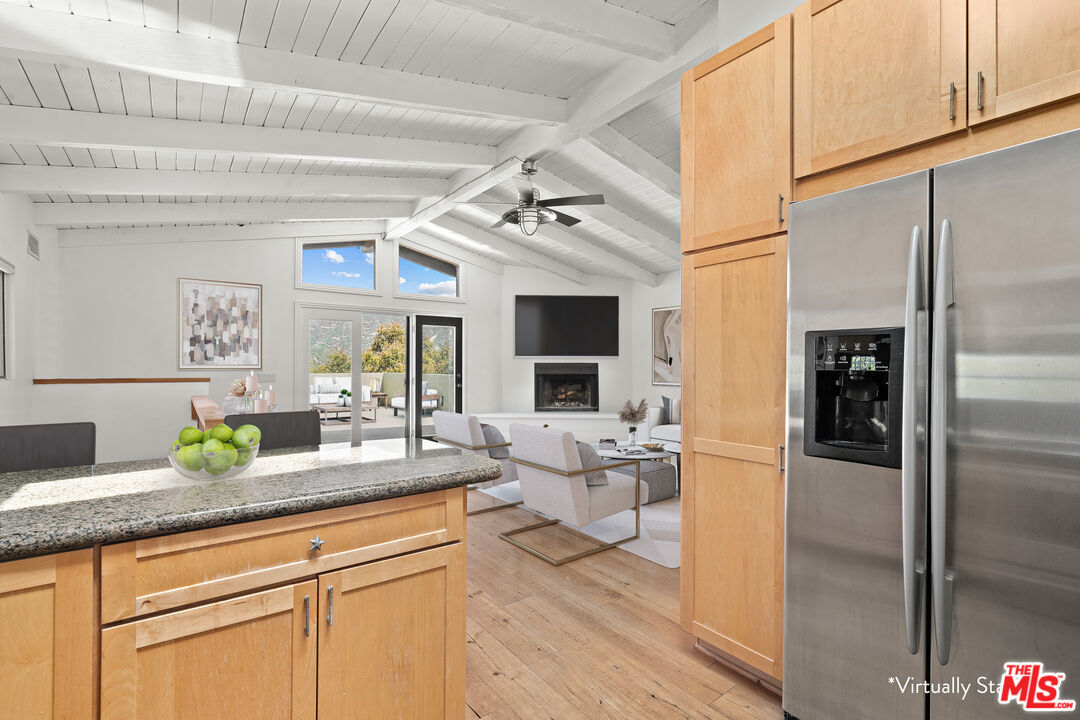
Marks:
<point>31,311</point>
<point>120,313</point>
<point>739,18</point>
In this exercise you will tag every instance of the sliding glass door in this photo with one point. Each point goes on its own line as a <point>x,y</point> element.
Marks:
<point>437,355</point>
<point>330,375</point>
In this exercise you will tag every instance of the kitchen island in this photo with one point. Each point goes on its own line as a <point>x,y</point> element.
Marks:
<point>323,582</point>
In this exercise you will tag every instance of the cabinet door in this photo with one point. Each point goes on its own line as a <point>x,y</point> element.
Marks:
<point>47,636</point>
<point>734,312</point>
<point>872,76</point>
<point>736,141</point>
<point>392,638</point>
<point>249,657</point>
<point>1023,54</point>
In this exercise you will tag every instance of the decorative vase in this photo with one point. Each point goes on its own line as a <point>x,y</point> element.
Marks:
<point>633,435</point>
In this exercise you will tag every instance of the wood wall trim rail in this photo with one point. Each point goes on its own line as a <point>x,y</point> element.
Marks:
<point>107,381</point>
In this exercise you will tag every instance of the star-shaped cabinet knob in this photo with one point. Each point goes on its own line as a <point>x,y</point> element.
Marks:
<point>316,544</point>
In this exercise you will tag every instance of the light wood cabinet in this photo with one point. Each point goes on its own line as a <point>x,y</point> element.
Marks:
<point>873,76</point>
<point>251,656</point>
<point>47,631</point>
<point>736,141</point>
<point>1023,54</point>
<point>734,315</point>
<point>396,646</point>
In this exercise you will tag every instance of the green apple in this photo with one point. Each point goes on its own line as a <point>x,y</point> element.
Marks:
<point>221,460</point>
<point>176,447</point>
<point>190,457</point>
<point>191,435</point>
<point>212,445</point>
<point>243,456</point>
<point>246,436</point>
<point>221,432</point>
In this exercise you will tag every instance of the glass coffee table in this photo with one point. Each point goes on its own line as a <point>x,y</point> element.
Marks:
<point>619,452</point>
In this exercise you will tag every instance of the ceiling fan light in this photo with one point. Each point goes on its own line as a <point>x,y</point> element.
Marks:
<point>528,221</point>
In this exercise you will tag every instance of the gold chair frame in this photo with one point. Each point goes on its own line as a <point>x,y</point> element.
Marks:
<point>591,551</point>
<point>493,508</point>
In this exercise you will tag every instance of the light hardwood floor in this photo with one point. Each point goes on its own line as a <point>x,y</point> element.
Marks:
<point>596,638</point>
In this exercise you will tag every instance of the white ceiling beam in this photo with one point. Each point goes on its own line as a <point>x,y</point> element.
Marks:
<point>116,181</point>
<point>609,215</point>
<point>31,33</point>
<point>217,233</point>
<point>628,85</point>
<point>155,213</point>
<point>44,126</point>
<point>452,251</point>
<point>593,21</point>
<point>510,249</point>
<point>619,147</point>
<point>461,192</point>
<point>555,233</point>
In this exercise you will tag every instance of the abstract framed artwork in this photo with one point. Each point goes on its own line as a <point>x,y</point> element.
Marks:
<point>220,324</point>
<point>667,346</point>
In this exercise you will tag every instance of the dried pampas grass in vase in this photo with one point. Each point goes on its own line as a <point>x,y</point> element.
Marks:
<point>633,416</point>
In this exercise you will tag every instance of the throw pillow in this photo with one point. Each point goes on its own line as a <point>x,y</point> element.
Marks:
<point>492,436</point>
<point>589,459</point>
<point>675,417</point>
<point>665,414</point>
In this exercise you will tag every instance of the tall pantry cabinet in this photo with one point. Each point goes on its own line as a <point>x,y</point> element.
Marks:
<point>736,169</point>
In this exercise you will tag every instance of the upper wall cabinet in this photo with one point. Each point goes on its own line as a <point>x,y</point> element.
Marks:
<point>1023,54</point>
<point>873,76</point>
<point>736,141</point>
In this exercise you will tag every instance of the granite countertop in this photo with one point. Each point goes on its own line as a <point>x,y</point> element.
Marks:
<point>47,511</point>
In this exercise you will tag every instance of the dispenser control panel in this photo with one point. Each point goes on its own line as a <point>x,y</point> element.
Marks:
<point>863,353</point>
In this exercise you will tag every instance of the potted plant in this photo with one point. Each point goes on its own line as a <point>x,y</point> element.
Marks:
<point>633,416</point>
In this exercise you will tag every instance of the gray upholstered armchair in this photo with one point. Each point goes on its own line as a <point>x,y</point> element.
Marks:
<point>555,483</point>
<point>466,433</point>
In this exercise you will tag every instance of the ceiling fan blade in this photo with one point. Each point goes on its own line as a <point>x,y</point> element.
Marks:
<point>499,224</point>
<point>526,193</point>
<point>572,200</point>
<point>564,219</point>
<point>470,202</point>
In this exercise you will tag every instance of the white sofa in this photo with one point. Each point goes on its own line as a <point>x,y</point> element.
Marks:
<point>328,390</point>
<point>669,433</point>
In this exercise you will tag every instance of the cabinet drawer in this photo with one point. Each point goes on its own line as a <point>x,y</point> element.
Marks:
<point>155,574</point>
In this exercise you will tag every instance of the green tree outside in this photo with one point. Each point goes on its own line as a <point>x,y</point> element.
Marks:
<point>387,350</point>
<point>337,361</point>
<point>436,357</point>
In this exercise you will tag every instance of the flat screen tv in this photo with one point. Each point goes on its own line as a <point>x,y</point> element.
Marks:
<point>566,325</point>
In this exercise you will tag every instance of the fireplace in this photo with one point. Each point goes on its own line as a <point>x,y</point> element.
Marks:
<point>567,387</point>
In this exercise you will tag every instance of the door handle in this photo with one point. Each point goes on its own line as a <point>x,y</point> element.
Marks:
<point>909,451</point>
<point>942,582</point>
<point>779,208</point>
<point>307,615</point>
<point>952,101</point>
<point>979,91</point>
<point>330,606</point>
<point>780,459</point>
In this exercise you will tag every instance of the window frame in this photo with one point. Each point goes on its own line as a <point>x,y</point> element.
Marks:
<point>459,298</point>
<point>302,242</point>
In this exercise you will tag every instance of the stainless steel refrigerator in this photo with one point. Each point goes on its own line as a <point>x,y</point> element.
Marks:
<point>933,476</point>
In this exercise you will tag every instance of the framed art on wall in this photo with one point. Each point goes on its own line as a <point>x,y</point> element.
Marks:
<point>667,346</point>
<point>220,324</point>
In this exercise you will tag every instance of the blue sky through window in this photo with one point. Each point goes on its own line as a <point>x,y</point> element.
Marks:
<point>417,279</point>
<point>339,266</point>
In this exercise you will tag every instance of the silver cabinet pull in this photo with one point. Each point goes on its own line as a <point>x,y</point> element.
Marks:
<point>330,606</point>
<point>779,208</point>
<point>941,582</point>
<point>909,451</point>
<point>316,544</point>
<point>780,459</point>
<point>952,101</point>
<point>307,615</point>
<point>978,92</point>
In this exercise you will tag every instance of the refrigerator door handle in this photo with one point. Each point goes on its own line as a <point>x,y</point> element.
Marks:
<point>909,453</point>
<point>941,581</point>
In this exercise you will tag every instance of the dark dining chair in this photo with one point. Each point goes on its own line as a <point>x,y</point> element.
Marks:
<point>282,429</point>
<point>38,447</point>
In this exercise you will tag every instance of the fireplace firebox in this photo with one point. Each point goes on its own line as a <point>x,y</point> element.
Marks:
<point>567,387</point>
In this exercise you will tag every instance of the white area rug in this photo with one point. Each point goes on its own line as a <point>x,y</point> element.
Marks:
<point>659,541</point>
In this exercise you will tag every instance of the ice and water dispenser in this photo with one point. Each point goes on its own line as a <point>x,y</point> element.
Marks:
<point>854,395</point>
